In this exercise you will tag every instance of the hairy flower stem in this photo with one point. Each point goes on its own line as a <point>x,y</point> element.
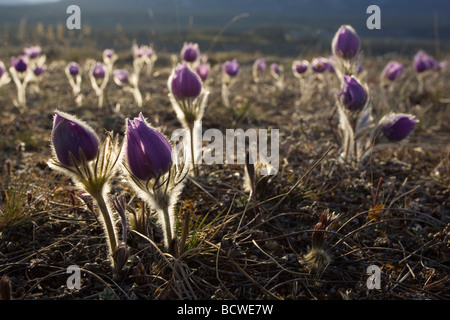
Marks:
<point>107,219</point>
<point>191,133</point>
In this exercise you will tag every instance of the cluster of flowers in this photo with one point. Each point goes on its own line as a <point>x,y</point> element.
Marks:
<point>25,69</point>
<point>358,133</point>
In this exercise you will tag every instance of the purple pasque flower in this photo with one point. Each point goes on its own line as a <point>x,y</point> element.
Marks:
<point>72,137</point>
<point>260,65</point>
<point>121,76</point>
<point>231,68</point>
<point>39,70</point>
<point>148,153</point>
<point>203,71</point>
<point>109,53</point>
<point>275,68</point>
<point>353,96</point>
<point>345,43</point>
<point>74,68</point>
<point>300,66</point>
<point>393,70</point>
<point>20,64</point>
<point>184,83</point>
<point>190,52</point>
<point>99,70</point>
<point>138,51</point>
<point>2,69</point>
<point>319,65</point>
<point>423,62</point>
<point>33,51</point>
<point>397,127</point>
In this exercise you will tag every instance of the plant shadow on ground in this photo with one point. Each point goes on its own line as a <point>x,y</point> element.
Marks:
<point>249,247</point>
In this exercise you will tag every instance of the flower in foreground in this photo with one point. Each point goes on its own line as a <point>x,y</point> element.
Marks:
<point>153,174</point>
<point>345,44</point>
<point>184,83</point>
<point>73,139</point>
<point>397,127</point>
<point>353,96</point>
<point>78,153</point>
<point>148,153</point>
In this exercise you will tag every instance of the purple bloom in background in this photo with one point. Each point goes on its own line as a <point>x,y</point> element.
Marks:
<point>33,51</point>
<point>39,70</point>
<point>190,52</point>
<point>398,126</point>
<point>108,53</point>
<point>184,83</point>
<point>203,71</point>
<point>300,67</point>
<point>260,65</point>
<point>74,68</point>
<point>121,76</point>
<point>275,68</point>
<point>423,62</point>
<point>319,65</point>
<point>231,67</point>
<point>345,43</point>
<point>20,64</point>
<point>393,70</point>
<point>148,152</point>
<point>2,69</point>
<point>353,96</point>
<point>138,51</point>
<point>99,71</point>
<point>359,69</point>
<point>72,136</point>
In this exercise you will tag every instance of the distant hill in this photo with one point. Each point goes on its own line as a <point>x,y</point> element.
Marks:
<point>267,20</point>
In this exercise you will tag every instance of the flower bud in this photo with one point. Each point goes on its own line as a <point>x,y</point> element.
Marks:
<point>33,51</point>
<point>190,52</point>
<point>275,68</point>
<point>423,62</point>
<point>109,53</point>
<point>300,67</point>
<point>397,127</point>
<point>353,96</point>
<point>184,83</point>
<point>260,65</point>
<point>99,70</point>
<point>148,153</point>
<point>121,76</point>
<point>319,65</point>
<point>345,43</point>
<point>20,64</point>
<point>74,68</point>
<point>71,137</point>
<point>203,71</point>
<point>393,70</point>
<point>39,70</point>
<point>231,67</point>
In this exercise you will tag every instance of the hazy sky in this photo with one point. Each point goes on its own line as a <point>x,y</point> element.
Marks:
<point>25,1</point>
